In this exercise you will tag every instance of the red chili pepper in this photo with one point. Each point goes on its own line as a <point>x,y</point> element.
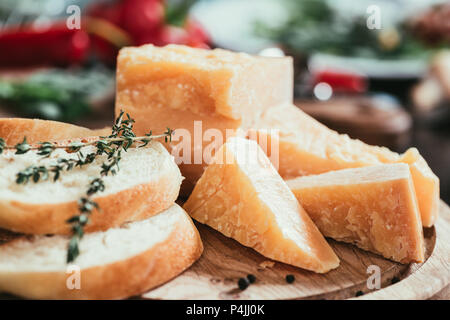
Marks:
<point>56,45</point>
<point>171,34</point>
<point>144,21</point>
<point>140,17</point>
<point>109,10</point>
<point>191,35</point>
<point>198,37</point>
<point>141,20</point>
<point>341,80</point>
<point>107,26</point>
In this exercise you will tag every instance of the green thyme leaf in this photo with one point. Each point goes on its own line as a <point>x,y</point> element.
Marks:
<point>168,134</point>
<point>2,145</point>
<point>75,147</point>
<point>33,172</point>
<point>73,251</point>
<point>45,149</point>
<point>22,147</point>
<point>96,185</point>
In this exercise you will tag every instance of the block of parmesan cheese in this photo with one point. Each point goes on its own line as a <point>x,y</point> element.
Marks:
<point>373,207</point>
<point>241,195</point>
<point>307,147</point>
<point>175,86</point>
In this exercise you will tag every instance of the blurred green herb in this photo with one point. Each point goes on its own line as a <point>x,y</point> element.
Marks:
<point>177,11</point>
<point>56,94</point>
<point>316,26</point>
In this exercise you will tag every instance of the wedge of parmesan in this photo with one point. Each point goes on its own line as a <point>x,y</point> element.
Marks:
<point>242,196</point>
<point>202,93</point>
<point>307,147</point>
<point>374,208</point>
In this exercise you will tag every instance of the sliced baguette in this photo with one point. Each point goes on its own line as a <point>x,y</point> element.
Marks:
<point>115,264</point>
<point>147,175</point>
<point>13,130</point>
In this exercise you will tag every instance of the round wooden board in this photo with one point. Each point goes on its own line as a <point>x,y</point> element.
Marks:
<point>224,261</point>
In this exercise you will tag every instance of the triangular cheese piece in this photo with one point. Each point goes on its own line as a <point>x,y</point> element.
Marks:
<point>372,207</point>
<point>426,184</point>
<point>241,195</point>
<point>308,147</point>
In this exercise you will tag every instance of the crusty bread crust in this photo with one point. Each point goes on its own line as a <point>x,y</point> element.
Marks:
<point>115,209</point>
<point>118,280</point>
<point>13,130</point>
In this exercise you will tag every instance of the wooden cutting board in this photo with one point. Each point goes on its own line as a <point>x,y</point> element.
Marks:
<point>224,261</point>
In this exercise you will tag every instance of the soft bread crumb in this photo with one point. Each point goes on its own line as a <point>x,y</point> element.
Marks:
<point>137,166</point>
<point>48,253</point>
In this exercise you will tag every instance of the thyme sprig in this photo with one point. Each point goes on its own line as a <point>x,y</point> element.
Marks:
<point>120,140</point>
<point>46,148</point>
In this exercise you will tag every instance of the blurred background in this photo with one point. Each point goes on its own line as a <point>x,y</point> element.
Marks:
<point>376,70</point>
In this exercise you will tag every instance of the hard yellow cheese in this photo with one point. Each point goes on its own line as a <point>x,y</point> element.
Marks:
<point>174,86</point>
<point>241,195</point>
<point>307,147</point>
<point>372,207</point>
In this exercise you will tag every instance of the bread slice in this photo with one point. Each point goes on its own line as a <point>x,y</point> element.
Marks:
<point>147,175</point>
<point>12,130</point>
<point>114,264</point>
<point>372,207</point>
<point>242,196</point>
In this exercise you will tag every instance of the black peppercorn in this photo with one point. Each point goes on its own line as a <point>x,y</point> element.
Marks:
<point>395,280</point>
<point>290,278</point>
<point>243,283</point>
<point>251,278</point>
<point>359,293</point>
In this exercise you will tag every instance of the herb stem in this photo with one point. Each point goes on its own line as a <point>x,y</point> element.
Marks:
<point>90,143</point>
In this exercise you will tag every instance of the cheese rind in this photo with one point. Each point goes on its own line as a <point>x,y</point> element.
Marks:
<point>372,207</point>
<point>426,184</point>
<point>173,86</point>
<point>241,195</point>
<point>307,147</point>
